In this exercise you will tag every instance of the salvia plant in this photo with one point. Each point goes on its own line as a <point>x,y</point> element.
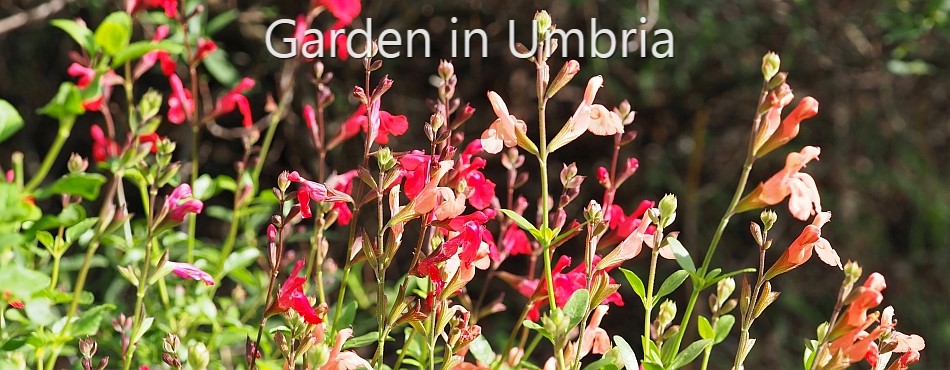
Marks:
<point>369,267</point>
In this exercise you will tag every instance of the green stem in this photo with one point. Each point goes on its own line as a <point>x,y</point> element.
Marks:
<point>651,281</point>
<point>142,286</point>
<point>193,220</point>
<point>65,127</point>
<point>55,278</point>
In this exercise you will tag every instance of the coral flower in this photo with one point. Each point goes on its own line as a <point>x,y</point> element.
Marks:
<point>308,191</point>
<point>788,129</point>
<point>291,296</point>
<point>802,248</point>
<point>504,131</point>
<point>588,117</point>
<point>801,189</point>
<point>344,360</point>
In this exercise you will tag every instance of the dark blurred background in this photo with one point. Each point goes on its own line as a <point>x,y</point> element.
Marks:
<point>879,69</point>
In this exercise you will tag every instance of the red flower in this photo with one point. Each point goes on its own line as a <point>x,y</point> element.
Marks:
<point>170,6</point>
<point>621,225</point>
<point>515,241</point>
<point>343,183</point>
<point>102,147</point>
<point>344,10</point>
<point>388,124</point>
<point>148,60</point>
<point>180,103</point>
<point>482,190</point>
<point>465,244</point>
<point>415,166</point>
<point>205,47</point>
<point>565,284</point>
<point>308,191</point>
<point>85,74</point>
<point>235,98</point>
<point>291,296</point>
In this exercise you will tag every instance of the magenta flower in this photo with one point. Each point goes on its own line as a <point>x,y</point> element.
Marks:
<point>308,191</point>
<point>189,271</point>
<point>180,203</point>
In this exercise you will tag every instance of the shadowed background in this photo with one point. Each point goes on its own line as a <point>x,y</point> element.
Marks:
<point>879,70</point>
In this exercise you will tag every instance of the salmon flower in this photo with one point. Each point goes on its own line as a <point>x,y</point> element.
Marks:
<point>804,200</point>
<point>588,117</point>
<point>802,248</point>
<point>503,132</point>
<point>778,98</point>
<point>344,360</point>
<point>788,129</point>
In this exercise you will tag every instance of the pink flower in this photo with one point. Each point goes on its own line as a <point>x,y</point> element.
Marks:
<point>588,117</point>
<point>102,147</point>
<point>188,271</point>
<point>148,60</point>
<point>308,191</point>
<point>85,74</point>
<point>465,246</point>
<point>180,203</point>
<point>480,190</point>
<point>291,296</point>
<point>503,131</point>
<point>596,339</point>
<point>630,247</point>
<point>804,200</point>
<point>565,284</point>
<point>235,98</point>
<point>180,103</point>
<point>170,6</point>
<point>344,10</point>
<point>415,166</point>
<point>205,48</point>
<point>788,130</point>
<point>388,124</point>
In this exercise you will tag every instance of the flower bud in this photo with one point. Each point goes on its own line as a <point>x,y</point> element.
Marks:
<point>544,22</point>
<point>385,159</point>
<point>594,212</point>
<point>150,104</point>
<point>770,65</point>
<point>768,219</point>
<point>756,232</point>
<point>564,76</point>
<point>283,182</point>
<point>724,289</point>
<point>77,163</point>
<point>198,356</point>
<point>667,313</point>
<point>568,173</point>
<point>169,359</point>
<point>88,347</point>
<point>852,272</point>
<point>446,69</point>
<point>171,343</point>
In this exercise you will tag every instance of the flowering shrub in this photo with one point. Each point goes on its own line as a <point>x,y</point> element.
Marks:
<point>433,206</point>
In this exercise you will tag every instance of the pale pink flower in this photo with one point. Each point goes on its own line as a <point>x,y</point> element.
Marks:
<point>596,339</point>
<point>588,117</point>
<point>344,360</point>
<point>502,132</point>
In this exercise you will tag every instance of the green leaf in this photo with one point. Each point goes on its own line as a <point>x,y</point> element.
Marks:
<point>521,221</point>
<point>67,103</point>
<point>21,281</point>
<point>86,185</point>
<point>636,283</point>
<point>576,307</point>
<point>604,363</point>
<point>221,21</point>
<point>723,327</point>
<point>347,314</point>
<point>689,353</point>
<point>114,33</point>
<point>221,69</point>
<point>705,329</point>
<point>364,340</point>
<point>146,324</point>
<point>137,49</point>
<point>241,259</point>
<point>627,355</point>
<point>74,232</point>
<point>78,32</point>
<point>681,254</point>
<point>671,283</point>
<point>88,322</point>
<point>10,120</point>
<point>204,187</point>
<point>711,282</point>
<point>40,311</point>
<point>481,349</point>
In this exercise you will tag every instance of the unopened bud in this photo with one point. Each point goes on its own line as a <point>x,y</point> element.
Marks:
<point>768,219</point>
<point>724,289</point>
<point>171,343</point>
<point>594,212</point>
<point>667,313</point>
<point>283,182</point>
<point>171,360</point>
<point>77,163</point>
<point>544,22</point>
<point>770,65</point>
<point>88,347</point>
<point>385,159</point>
<point>756,232</point>
<point>568,173</point>
<point>852,272</point>
<point>777,80</point>
<point>446,69</point>
<point>564,76</point>
<point>198,356</point>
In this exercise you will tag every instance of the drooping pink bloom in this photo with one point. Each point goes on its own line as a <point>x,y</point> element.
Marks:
<point>588,117</point>
<point>788,129</point>
<point>503,131</point>
<point>236,98</point>
<point>804,200</point>
<point>189,271</point>
<point>84,74</point>
<point>180,102</point>
<point>181,202</point>
<point>388,125</point>
<point>308,191</point>
<point>291,296</point>
<point>631,246</point>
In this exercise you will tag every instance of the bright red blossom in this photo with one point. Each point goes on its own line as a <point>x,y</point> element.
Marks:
<point>308,191</point>
<point>180,102</point>
<point>565,284</point>
<point>235,98</point>
<point>388,124</point>
<point>291,296</point>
